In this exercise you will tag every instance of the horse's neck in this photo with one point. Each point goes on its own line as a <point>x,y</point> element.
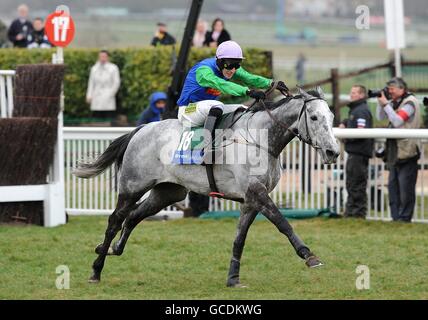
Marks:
<point>287,113</point>
<point>277,148</point>
<point>279,136</point>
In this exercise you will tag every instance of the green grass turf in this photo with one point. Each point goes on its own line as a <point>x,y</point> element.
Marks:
<point>189,258</point>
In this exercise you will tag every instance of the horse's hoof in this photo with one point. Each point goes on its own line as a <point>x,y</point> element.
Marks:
<point>235,284</point>
<point>114,250</point>
<point>99,249</point>
<point>110,252</point>
<point>313,262</point>
<point>94,279</point>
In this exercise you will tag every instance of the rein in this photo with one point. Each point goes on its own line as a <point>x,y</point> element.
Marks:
<point>267,92</point>
<point>295,132</point>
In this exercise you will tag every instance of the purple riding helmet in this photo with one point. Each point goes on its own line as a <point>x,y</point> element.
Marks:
<point>229,50</point>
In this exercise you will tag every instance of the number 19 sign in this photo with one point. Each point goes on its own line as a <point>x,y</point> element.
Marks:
<point>59,28</point>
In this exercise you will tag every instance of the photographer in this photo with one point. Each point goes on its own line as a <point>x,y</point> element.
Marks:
<point>401,155</point>
<point>359,152</point>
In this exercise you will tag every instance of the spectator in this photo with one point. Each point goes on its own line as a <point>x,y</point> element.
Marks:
<point>3,34</point>
<point>20,28</point>
<point>155,109</point>
<point>104,82</point>
<point>401,155</point>
<point>217,35</point>
<point>37,38</point>
<point>200,33</point>
<point>300,69</point>
<point>162,37</point>
<point>359,152</point>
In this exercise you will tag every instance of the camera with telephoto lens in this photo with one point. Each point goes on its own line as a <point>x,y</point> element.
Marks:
<point>378,93</point>
<point>380,153</point>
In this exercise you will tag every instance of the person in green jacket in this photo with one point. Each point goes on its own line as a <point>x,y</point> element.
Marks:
<point>209,78</point>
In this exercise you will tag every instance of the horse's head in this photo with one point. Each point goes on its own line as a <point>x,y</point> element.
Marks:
<point>315,125</point>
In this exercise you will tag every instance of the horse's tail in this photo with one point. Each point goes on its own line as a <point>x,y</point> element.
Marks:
<point>114,153</point>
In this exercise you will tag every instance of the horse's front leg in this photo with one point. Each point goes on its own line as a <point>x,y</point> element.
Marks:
<point>245,220</point>
<point>259,199</point>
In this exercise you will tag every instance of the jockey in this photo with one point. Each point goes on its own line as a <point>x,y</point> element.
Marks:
<point>209,78</point>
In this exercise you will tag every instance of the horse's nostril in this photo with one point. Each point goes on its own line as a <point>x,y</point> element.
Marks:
<point>331,153</point>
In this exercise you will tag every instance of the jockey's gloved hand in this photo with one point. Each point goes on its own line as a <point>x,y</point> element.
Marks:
<point>280,85</point>
<point>256,94</point>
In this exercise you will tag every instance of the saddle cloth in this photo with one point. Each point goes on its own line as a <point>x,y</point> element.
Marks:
<point>190,150</point>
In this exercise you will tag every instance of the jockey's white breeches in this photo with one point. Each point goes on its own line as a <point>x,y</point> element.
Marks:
<point>195,113</point>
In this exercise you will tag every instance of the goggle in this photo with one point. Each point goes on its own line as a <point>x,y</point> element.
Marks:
<point>231,65</point>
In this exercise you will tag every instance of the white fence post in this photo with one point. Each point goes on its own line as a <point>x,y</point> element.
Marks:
<point>54,204</point>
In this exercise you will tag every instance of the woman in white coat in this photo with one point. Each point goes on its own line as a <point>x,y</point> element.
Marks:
<point>104,82</point>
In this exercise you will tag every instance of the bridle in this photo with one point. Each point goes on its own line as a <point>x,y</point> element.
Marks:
<point>308,138</point>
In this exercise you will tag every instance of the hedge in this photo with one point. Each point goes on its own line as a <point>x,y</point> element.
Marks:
<point>143,71</point>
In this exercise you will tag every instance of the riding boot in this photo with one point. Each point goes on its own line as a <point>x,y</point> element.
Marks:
<point>209,126</point>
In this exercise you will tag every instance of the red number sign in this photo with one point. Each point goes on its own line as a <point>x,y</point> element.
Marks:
<point>59,28</point>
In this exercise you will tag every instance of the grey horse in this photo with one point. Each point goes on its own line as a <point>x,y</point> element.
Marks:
<point>143,158</point>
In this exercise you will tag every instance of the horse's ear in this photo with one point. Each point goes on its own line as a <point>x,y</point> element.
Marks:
<point>320,92</point>
<point>303,93</point>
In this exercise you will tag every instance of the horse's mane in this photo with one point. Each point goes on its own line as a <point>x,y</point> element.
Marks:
<point>272,105</point>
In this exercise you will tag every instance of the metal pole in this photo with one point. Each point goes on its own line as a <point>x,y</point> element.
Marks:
<point>179,73</point>
<point>280,11</point>
<point>334,74</point>
<point>397,48</point>
<point>397,61</point>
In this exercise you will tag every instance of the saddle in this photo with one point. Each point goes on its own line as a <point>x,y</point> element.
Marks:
<point>190,150</point>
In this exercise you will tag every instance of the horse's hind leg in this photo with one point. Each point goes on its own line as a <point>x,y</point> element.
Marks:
<point>246,218</point>
<point>124,205</point>
<point>160,197</point>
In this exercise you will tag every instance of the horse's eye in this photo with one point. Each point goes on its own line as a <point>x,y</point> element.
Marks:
<point>314,118</point>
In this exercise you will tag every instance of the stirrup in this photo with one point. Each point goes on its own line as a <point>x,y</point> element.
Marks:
<point>216,194</point>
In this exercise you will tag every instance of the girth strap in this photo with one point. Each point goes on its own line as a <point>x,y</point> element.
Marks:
<point>211,180</point>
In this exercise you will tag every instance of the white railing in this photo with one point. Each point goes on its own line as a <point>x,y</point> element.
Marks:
<point>99,194</point>
<point>305,184</point>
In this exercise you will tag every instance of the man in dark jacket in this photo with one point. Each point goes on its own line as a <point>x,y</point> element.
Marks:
<point>154,111</point>
<point>162,37</point>
<point>359,152</point>
<point>217,35</point>
<point>37,38</point>
<point>20,28</point>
